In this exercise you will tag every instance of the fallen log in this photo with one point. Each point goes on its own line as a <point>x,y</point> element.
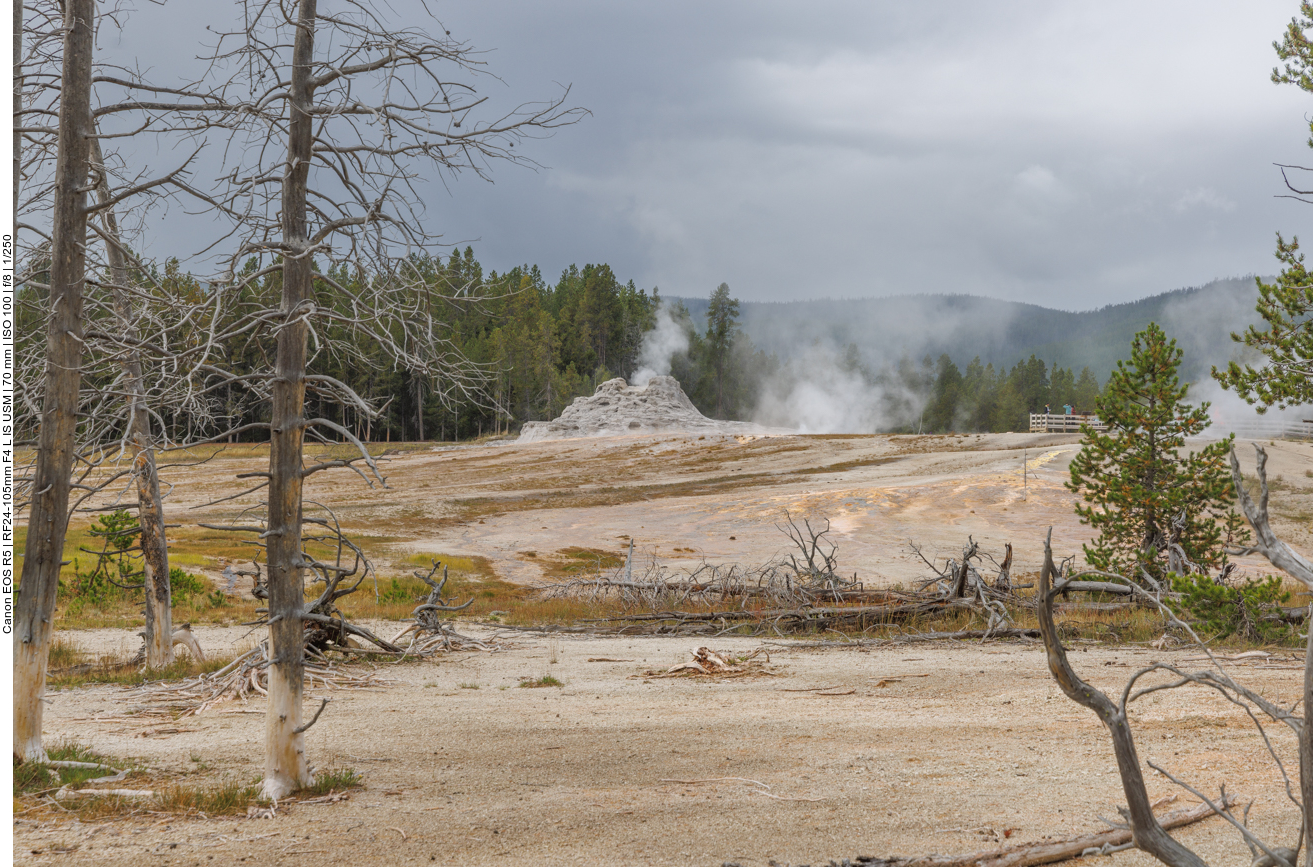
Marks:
<point>803,613</point>
<point>1043,851</point>
<point>917,636</point>
<point>1097,587</point>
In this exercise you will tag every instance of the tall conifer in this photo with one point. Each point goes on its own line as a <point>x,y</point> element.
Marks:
<point>1140,491</point>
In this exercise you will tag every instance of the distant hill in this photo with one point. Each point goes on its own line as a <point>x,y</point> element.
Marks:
<point>1003,332</point>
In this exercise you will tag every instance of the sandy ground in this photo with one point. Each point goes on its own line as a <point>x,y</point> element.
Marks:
<point>959,745</point>
<point>918,749</point>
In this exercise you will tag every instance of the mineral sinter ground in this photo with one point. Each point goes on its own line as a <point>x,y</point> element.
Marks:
<point>618,408</point>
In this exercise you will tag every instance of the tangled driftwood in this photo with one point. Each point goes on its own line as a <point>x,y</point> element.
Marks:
<point>429,631</point>
<point>247,677</point>
<point>801,592</point>
<point>710,663</point>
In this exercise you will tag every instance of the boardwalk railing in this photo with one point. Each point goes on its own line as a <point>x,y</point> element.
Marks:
<point>1265,429</point>
<point>1060,423</point>
<point>1261,429</point>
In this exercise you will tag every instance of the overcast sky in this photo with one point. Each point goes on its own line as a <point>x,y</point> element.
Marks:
<point>1066,154</point>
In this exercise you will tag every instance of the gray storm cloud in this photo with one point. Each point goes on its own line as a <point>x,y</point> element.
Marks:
<point>862,149</point>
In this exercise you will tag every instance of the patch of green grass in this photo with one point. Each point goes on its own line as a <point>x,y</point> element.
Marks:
<point>469,686</point>
<point>333,780</point>
<point>545,680</point>
<point>226,799</point>
<point>123,672</point>
<point>467,577</point>
<point>32,779</point>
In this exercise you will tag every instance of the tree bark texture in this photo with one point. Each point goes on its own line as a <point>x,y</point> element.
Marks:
<point>150,508</point>
<point>286,769</point>
<point>48,514</point>
<point>1306,746</point>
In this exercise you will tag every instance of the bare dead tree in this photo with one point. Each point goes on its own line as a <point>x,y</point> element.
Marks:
<point>48,155</point>
<point>48,512</point>
<point>150,508</point>
<point>1147,833</point>
<point>355,107</point>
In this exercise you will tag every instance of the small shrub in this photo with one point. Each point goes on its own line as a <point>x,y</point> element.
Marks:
<point>114,571</point>
<point>183,586</point>
<point>1241,609</point>
<point>545,680</point>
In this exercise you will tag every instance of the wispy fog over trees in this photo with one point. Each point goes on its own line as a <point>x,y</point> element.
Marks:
<point>542,344</point>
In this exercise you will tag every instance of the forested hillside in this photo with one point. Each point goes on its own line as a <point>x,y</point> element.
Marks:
<point>529,347</point>
<point>1003,332</point>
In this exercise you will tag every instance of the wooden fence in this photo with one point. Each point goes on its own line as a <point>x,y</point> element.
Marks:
<point>1248,430</point>
<point>1059,423</point>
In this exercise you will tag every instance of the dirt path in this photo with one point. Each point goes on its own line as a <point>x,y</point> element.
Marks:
<point>912,749</point>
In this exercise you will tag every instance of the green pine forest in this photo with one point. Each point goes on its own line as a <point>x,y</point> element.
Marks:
<point>545,344</point>
<point>539,345</point>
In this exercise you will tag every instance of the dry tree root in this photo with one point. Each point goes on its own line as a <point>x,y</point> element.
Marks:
<point>247,677</point>
<point>429,632</point>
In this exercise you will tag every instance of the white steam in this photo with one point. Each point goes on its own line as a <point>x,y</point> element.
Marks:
<point>816,392</point>
<point>1202,324</point>
<point>666,340</point>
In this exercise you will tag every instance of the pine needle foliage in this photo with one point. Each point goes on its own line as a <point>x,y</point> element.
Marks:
<point>1220,609</point>
<point>1285,338</point>
<point>1140,491</point>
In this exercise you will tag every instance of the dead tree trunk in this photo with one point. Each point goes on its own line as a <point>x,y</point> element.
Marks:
<point>960,581</point>
<point>1282,556</point>
<point>1146,831</point>
<point>48,514</point>
<point>150,508</point>
<point>1003,583</point>
<point>285,768</point>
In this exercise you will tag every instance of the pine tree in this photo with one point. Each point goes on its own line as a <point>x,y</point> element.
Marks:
<point>722,329</point>
<point>1140,492</point>
<point>1287,341</point>
<point>1086,391</point>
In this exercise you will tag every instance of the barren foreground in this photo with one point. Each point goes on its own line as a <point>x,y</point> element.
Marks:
<point>822,754</point>
<point>896,750</point>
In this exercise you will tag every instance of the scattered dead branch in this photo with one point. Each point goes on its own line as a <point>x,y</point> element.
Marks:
<point>247,678</point>
<point>1045,851</point>
<point>429,632</point>
<point>706,662</point>
<point>802,592</point>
